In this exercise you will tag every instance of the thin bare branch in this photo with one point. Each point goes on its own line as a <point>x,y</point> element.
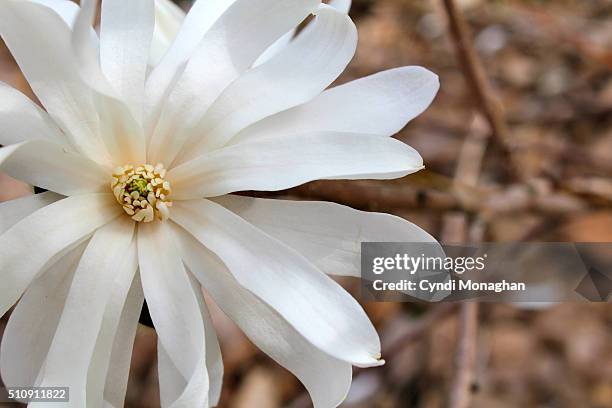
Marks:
<point>475,74</point>
<point>465,359</point>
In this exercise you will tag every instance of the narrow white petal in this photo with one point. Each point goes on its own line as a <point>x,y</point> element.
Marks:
<point>202,15</point>
<point>214,360</point>
<point>341,5</point>
<point>85,45</point>
<point>123,135</point>
<point>380,104</point>
<point>32,324</point>
<point>126,30</point>
<point>257,23</point>
<point>121,354</point>
<point>172,382</point>
<point>330,235</point>
<point>108,255</point>
<point>327,234</point>
<point>126,289</point>
<point>11,212</point>
<point>276,47</point>
<point>200,18</point>
<point>168,21</point>
<point>31,245</point>
<point>174,310</point>
<point>283,162</point>
<point>120,128</point>
<point>40,42</point>
<point>66,9</point>
<point>315,305</point>
<point>326,378</point>
<point>294,76</point>
<point>21,119</point>
<point>50,166</point>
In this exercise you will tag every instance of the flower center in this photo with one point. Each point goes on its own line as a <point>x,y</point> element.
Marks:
<point>142,191</point>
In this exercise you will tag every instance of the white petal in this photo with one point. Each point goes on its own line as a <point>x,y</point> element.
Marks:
<point>126,289</point>
<point>174,310</point>
<point>168,20</point>
<point>121,355</point>
<point>330,235</point>
<point>276,47</point>
<point>50,166</point>
<point>11,212</point>
<point>310,301</point>
<point>126,30</point>
<point>30,245</point>
<point>120,127</point>
<point>66,9</point>
<point>86,48</point>
<point>283,162</point>
<point>21,119</point>
<point>32,324</point>
<point>214,360</point>
<point>257,23</point>
<point>341,5</point>
<point>40,42</point>
<point>200,18</point>
<point>379,104</point>
<point>123,136</point>
<point>171,381</point>
<point>202,15</point>
<point>198,21</point>
<point>327,234</point>
<point>106,257</point>
<point>294,76</point>
<point>326,378</point>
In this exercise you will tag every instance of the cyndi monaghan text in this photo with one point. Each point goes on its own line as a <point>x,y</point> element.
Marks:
<point>452,285</point>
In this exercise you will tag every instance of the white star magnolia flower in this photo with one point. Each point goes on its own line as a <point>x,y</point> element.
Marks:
<point>139,163</point>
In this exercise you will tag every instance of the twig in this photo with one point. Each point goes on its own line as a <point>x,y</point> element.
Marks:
<point>373,196</point>
<point>598,187</point>
<point>366,195</point>
<point>467,173</point>
<point>472,153</point>
<point>456,231</point>
<point>465,360</point>
<point>475,75</point>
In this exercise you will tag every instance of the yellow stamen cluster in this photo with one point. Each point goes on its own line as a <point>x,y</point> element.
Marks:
<point>142,191</point>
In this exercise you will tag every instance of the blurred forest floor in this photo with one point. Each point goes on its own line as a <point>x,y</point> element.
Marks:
<point>550,65</point>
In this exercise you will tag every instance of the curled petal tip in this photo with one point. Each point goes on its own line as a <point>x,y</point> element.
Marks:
<point>372,361</point>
